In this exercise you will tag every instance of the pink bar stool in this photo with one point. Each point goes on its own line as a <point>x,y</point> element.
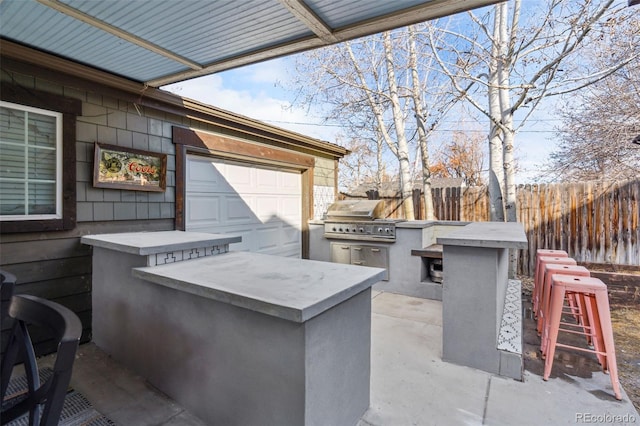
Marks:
<point>594,294</point>
<point>543,253</point>
<point>545,290</point>
<point>539,280</point>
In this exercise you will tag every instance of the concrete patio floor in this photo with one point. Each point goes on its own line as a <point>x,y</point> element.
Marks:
<point>410,384</point>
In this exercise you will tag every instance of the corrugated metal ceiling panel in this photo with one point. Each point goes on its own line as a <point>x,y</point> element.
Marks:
<point>163,41</point>
<point>342,14</point>
<point>37,25</point>
<point>188,29</point>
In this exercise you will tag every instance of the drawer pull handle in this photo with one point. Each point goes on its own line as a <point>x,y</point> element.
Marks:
<point>358,248</point>
<point>375,250</point>
<point>358,263</point>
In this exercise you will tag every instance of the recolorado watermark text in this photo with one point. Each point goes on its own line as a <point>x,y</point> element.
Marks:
<point>605,418</point>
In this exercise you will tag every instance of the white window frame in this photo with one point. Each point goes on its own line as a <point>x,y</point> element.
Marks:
<point>58,148</point>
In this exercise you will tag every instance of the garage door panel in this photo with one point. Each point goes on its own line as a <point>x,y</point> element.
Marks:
<point>261,205</point>
<point>267,238</point>
<point>290,235</point>
<point>233,231</point>
<point>202,208</point>
<point>239,210</point>
<point>266,208</point>
<point>202,176</point>
<point>277,182</point>
<point>239,231</point>
<point>245,244</point>
<point>288,208</point>
<point>293,252</point>
<point>240,177</point>
<point>291,182</point>
<point>267,180</point>
<point>293,222</point>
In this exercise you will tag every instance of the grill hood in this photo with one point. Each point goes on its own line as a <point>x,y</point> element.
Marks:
<point>356,210</point>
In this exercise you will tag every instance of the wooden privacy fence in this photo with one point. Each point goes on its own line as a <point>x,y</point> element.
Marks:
<point>595,222</point>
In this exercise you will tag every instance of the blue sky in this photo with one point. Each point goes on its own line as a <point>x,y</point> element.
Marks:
<point>253,91</point>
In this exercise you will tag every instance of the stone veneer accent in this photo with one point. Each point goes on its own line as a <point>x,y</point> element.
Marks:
<point>510,336</point>
<point>323,197</point>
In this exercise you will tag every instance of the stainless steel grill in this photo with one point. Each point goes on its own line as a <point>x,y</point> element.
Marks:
<point>359,220</point>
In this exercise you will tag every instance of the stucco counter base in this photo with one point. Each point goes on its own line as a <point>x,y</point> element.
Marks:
<point>476,285</point>
<point>241,338</point>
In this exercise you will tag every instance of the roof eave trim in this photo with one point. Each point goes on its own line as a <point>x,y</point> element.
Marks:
<point>193,109</point>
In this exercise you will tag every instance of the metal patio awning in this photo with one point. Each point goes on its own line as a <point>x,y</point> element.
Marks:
<point>157,42</point>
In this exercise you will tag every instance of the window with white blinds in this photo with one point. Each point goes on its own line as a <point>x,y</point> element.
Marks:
<point>30,163</point>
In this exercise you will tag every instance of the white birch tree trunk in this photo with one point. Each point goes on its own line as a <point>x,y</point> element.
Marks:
<point>400,148</point>
<point>406,187</point>
<point>508,133</point>
<point>496,154</point>
<point>506,106</point>
<point>380,171</point>
<point>422,134</point>
<point>525,67</point>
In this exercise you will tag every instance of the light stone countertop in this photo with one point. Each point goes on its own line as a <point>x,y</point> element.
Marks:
<point>414,224</point>
<point>293,289</point>
<point>487,234</point>
<point>422,224</point>
<point>145,243</point>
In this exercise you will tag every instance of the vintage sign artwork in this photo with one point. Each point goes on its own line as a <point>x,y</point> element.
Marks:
<point>126,168</point>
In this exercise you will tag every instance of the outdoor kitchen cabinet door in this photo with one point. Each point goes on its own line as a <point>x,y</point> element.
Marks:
<point>374,256</point>
<point>341,253</point>
<point>364,255</point>
<point>369,256</point>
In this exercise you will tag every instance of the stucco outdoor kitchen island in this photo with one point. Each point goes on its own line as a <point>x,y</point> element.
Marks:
<point>238,338</point>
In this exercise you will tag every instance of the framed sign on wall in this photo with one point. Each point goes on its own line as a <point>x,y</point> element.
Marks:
<point>118,167</point>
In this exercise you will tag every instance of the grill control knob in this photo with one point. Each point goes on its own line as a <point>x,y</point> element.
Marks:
<point>361,229</point>
<point>380,230</point>
<point>387,230</point>
<point>340,229</point>
<point>334,229</point>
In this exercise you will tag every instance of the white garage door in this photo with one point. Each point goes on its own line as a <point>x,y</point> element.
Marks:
<point>262,205</point>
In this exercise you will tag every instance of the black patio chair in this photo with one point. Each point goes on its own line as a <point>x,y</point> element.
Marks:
<point>7,285</point>
<point>43,401</point>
